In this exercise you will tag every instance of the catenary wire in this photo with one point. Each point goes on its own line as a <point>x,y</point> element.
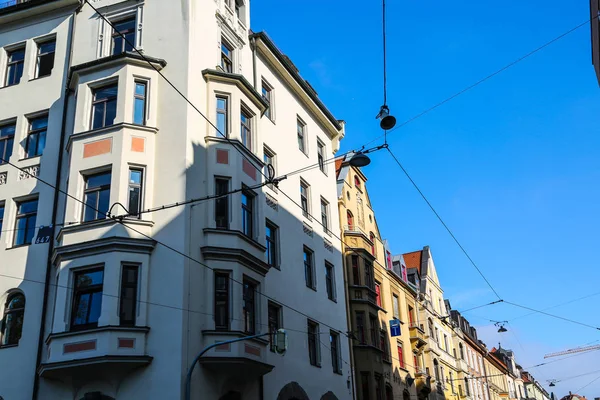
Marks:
<point>552,315</point>
<point>583,387</point>
<point>507,66</point>
<point>443,223</point>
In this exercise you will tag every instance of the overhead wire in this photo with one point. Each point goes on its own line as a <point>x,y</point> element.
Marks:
<point>486,78</point>
<point>552,315</point>
<point>583,387</point>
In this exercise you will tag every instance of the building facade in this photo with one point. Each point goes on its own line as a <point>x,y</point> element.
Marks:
<point>378,294</point>
<point>132,296</point>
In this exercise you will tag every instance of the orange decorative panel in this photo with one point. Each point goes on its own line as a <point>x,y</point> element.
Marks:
<point>222,156</point>
<point>77,347</point>
<point>126,343</point>
<point>249,169</point>
<point>138,144</point>
<point>255,351</point>
<point>97,148</point>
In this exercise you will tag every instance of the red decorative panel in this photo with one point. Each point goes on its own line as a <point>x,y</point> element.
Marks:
<point>81,346</point>
<point>249,169</point>
<point>97,148</point>
<point>126,343</point>
<point>138,144</point>
<point>223,347</point>
<point>255,351</point>
<point>222,156</point>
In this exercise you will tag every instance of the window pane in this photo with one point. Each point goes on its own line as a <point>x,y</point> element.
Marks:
<point>98,180</point>
<point>80,311</point>
<point>98,120</point>
<point>89,278</point>
<point>106,92</point>
<point>13,328</point>
<point>89,211</point>
<point>28,207</point>
<point>135,176</point>
<point>138,111</point>
<point>30,229</point>
<point>111,112</point>
<point>103,203</point>
<point>222,123</point>
<point>134,200</point>
<point>21,228</point>
<point>140,89</point>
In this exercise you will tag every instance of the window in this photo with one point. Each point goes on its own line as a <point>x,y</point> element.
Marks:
<point>45,58</point>
<point>325,215</point>
<point>309,268</point>
<point>321,155</point>
<point>378,387</point>
<point>369,275</point>
<point>272,251</point>
<point>355,271</point>
<point>446,344</point>
<point>360,327</point>
<point>221,300</point>
<point>96,196</point>
<point>437,336</point>
<point>400,354</point>
<point>139,103</point>
<point>461,351</point>
<point>247,210</point>
<point>378,293</point>
<point>467,387</point>
<point>267,92</point>
<point>330,280</point>
<point>36,136</point>
<point>246,129</point>
<point>226,56</point>
<point>436,370</point>
<point>14,66</point>
<point>411,316</point>
<point>1,216</point>
<point>452,381</point>
<point>350,219</point>
<point>442,375</point>
<point>383,345</point>
<point>357,181</point>
<point>372,238</point>
<point>301,131</point>
<point>12,322</point>
<point>364,381</point>
<point>25,224</point>
<point>374,330</point>
<point>460,391</point>
<point>274,316</point>
<point>222,203</point>
<point>240,11</point>
<point>7,137</point>
<point>123,36</point>
<point>269,161</point>
<point>135,191</point>
<point>87,298</point>
<point>304,196</point>
<point>396,306</point>
<point>104,106</point>
<point>313,343</point>
<point>223,115</point>
<point>129,290</point>
<point>334,341</point>
<point>249,307</point>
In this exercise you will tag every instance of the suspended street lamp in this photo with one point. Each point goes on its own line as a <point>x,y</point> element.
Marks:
<point>387,121</point>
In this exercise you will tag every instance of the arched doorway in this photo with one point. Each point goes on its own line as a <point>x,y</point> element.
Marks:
<point>292,391</point>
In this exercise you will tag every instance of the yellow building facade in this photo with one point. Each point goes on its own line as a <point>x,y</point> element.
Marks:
<point>376,293</point>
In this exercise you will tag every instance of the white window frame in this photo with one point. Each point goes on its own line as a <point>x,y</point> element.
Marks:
<point>105,30</point>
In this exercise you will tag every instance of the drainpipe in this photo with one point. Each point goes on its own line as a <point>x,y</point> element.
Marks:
<point>36,382</point>
<point>253,47</point>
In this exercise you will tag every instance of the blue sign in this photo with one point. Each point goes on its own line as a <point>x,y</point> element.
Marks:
<point>395,327</point>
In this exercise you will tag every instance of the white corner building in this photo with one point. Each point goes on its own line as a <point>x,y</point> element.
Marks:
<point>140,272</point>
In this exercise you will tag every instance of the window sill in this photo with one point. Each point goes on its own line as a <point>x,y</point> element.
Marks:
<point>332,300</point>
<point>338,372</point>
<point>316,365</point>
<point>18,246</point>
<point>314,289</point>
<point>8,346</point>
<point>30,158</point>
<point>40,77</point>
<point>305,153</point>
<point>7,86</point>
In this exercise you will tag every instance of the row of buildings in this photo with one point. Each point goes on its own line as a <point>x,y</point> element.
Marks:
<point>435,354</point>
<point>95,307</point>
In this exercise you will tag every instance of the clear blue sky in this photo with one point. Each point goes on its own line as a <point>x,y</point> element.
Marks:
<point>512,166</point>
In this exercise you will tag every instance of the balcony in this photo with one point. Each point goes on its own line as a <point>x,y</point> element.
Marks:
<point>462,364</point>
<point>358,239</point>
<point>417,336</point>
<point>104,350</point>
<point>247,359</point>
